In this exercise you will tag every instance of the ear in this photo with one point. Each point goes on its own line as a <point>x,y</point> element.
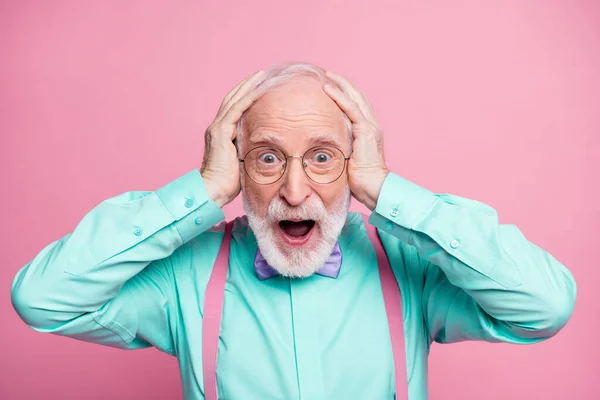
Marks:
<point>237,148</point>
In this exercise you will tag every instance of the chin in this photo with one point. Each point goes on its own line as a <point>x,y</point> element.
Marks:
<point>297,241</point>
<point>296,256</point>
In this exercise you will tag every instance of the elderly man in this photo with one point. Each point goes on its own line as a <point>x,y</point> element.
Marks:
<point>300,299</point>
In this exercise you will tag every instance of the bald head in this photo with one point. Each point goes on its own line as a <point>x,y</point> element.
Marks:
<point>294,111</point>
<point>294,100</point>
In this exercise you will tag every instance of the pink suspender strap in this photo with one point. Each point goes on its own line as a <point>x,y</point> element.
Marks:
<point>393,308</point>
<point>211,321</point>
<point>213,308</point>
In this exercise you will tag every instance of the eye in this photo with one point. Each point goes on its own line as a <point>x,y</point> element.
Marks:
<point>269,158</point>
<point>321,157</point>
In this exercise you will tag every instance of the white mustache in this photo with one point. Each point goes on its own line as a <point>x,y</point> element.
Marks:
<point>312,209</point>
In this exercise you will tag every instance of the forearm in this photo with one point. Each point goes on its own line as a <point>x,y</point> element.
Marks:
<point>115,241</point>
<point>512,280</point>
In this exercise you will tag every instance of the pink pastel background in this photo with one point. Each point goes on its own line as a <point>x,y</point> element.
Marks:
<point>497,101</point>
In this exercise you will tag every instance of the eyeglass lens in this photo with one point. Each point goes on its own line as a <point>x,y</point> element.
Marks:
<point>266,165</point>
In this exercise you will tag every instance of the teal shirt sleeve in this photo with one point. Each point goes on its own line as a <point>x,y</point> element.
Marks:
<point>110,280</point>
<point>483,280</point>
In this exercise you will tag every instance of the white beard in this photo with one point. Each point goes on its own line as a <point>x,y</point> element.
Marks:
<point>299,262</point>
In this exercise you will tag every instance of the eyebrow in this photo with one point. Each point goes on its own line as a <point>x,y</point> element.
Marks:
<point>266,137</point>
<point>319,138</point>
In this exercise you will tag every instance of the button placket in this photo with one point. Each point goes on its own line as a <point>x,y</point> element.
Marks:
<point>308,364</point>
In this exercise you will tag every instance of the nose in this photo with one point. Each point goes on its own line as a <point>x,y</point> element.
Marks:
<point>296,187</point>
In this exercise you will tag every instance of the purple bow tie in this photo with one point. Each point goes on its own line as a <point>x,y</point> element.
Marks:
<point>331,268</point>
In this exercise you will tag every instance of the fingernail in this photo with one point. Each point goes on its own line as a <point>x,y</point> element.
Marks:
<point>328,87</point>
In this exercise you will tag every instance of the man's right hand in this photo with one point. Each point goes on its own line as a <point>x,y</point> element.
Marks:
<point>220,165</point>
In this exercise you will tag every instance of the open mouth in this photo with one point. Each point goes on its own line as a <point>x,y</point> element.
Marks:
<point>297,231</point>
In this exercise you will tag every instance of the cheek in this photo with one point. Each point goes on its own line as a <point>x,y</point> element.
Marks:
<point>330,194</point>
<point>259,196</point>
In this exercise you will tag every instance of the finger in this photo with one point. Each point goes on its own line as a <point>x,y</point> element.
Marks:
<point>348,105</point>
<point>243,88</point>
<point>231,93</point>
<point>227,99</point>
<point>234,113</point>
<point>235,89</point>
<point>351,89</point>
<point>355,93</point>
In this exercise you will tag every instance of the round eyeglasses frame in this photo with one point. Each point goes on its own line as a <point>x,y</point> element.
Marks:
<point>286,163</point>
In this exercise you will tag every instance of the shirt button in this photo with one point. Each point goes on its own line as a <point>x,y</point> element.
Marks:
<point>454,244</point>
<point>198,220</point>
<point>189,202</point>
<point>394,213</point>
<point>137,231</point>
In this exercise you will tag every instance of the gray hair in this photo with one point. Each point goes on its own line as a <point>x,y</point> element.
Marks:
<point>280,74</point>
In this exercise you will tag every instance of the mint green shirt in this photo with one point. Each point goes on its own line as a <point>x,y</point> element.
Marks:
<point>134,271</point>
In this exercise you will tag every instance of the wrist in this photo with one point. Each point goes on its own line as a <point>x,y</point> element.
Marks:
<point>372,196</point>
<point>214,192</point>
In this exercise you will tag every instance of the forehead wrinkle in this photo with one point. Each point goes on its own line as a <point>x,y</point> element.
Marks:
<point>276,132</point>
<point>313,115</point>
<point>280,125</point>
<point>319,137</point>
<point>288,122</point>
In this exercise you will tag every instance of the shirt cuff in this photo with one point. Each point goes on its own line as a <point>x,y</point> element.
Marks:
<point>401,202</point>
<point>199,220</point>
<point>188,202</point>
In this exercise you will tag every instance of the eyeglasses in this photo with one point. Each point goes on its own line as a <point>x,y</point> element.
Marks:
<point>322,164</point>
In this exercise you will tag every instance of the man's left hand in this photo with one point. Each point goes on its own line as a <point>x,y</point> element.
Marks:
<point>366,167</point>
